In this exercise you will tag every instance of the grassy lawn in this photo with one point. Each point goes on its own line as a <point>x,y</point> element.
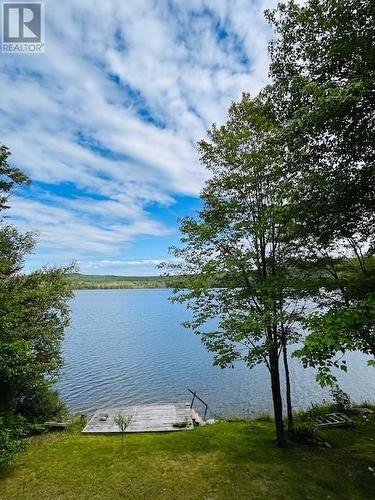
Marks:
<point>227,460</point>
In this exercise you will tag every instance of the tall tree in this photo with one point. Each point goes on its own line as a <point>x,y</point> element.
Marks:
<point>323,87</point>
<point>240,234</point>
<point>323,84</point>
<point>33,307</point>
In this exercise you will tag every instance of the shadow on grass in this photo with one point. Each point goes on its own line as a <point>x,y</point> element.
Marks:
<point>225,460</point>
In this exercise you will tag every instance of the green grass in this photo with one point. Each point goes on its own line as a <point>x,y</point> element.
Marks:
<point>228,460</point>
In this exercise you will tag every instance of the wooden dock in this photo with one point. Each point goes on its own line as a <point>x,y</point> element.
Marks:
<point>144,418</point>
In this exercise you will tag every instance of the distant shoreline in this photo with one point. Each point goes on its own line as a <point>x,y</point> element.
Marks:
<point>75,289</point>
<point>98,282</point>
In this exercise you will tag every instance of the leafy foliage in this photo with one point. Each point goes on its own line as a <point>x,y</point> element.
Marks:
<point>323,83</point>
<point>323,77</point>
<point>341,399</point>
<point>33,315</point>
<point>306,432</point>
<point>39,403</point>
<point>10,177</point>
<point>123,421</point>
<point>240,224</point>
<point>11,442</point>
<point>242,233</point>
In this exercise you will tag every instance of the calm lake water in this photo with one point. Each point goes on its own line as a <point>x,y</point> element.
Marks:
<point>128,347</point>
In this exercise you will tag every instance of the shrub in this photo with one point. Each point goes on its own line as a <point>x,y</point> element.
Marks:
<point>305,433</point>
<point>122,422</point>
<point>40,403</point>
<point>341,399</point>
<point>76,424</point>
<point>11,441</point>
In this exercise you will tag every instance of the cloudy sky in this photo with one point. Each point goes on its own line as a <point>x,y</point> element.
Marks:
<point>106,121</point>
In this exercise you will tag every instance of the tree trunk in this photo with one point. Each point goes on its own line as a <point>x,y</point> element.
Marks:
<point>288,388</point>
<point>276,397</point>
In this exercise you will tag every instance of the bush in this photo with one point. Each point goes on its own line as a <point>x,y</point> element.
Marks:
<point>40,403</point>
<point>11,441</point>
<point>305,433</point>
<point>341,399</point>
<point>37,404</point>
<point>76,424</point>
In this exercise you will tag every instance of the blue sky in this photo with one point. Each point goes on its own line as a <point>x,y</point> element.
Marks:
<point>106,122</point>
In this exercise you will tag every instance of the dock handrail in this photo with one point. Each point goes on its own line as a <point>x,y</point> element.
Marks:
<point>195,396</point>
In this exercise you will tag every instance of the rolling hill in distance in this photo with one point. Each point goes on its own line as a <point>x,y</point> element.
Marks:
<point>92,281</point>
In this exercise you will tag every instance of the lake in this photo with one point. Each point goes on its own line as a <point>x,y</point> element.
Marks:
<point>128,347</point>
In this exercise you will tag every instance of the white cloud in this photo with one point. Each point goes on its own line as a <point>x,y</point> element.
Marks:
<point>115,107</point>
<point>80,235</point>
<point>120,267</point>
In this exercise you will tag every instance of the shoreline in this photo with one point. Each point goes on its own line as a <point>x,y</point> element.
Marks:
<point>122,288</point>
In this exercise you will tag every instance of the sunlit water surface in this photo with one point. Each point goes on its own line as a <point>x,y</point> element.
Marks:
<point>128,347</point>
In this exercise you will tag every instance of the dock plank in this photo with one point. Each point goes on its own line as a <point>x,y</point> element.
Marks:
<point>145,418</point>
